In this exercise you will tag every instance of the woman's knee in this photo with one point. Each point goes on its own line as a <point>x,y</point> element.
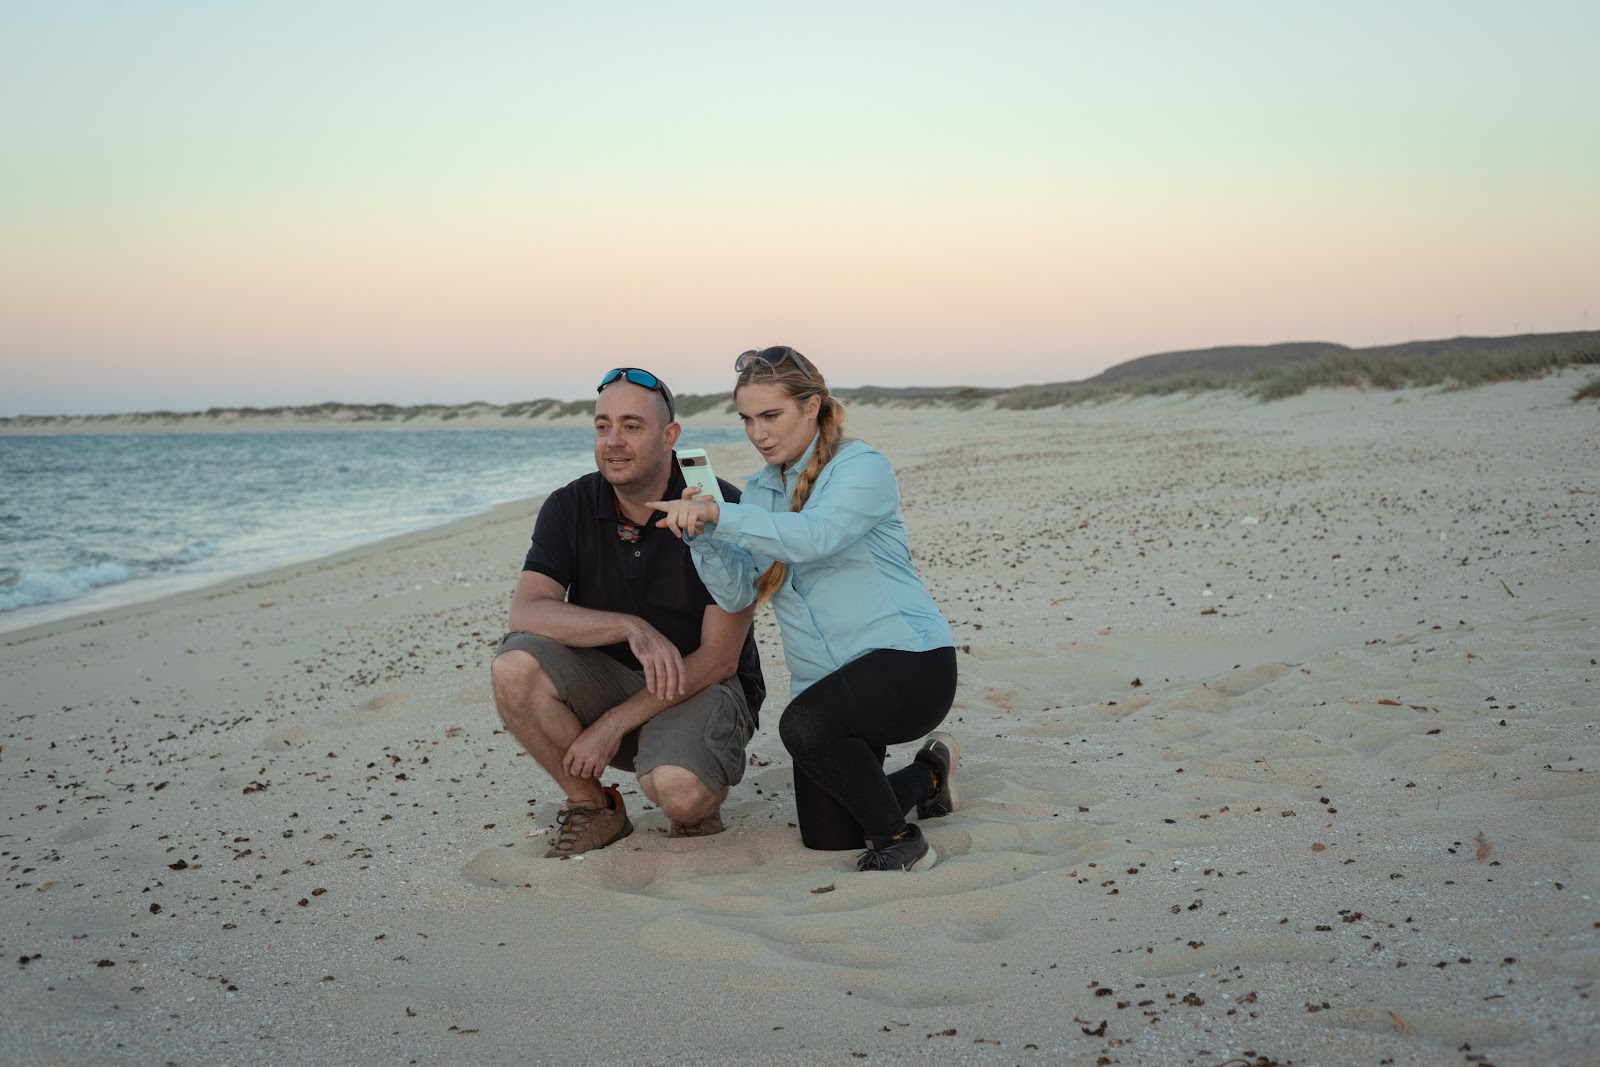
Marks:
<point>803,729</point>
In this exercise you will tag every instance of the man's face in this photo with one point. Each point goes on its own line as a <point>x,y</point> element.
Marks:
<point>632,438</point>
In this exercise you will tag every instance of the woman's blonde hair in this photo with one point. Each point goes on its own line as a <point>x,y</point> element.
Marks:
<point>800,380</point>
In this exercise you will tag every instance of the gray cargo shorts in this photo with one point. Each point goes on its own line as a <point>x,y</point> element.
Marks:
<point>704,734</point>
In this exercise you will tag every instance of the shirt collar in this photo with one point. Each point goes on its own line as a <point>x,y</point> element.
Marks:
<point>776,479</point>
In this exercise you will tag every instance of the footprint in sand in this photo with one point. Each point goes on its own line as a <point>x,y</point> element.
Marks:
<point>1174,960</point>
<point>507,868</point>
<point>87,830</point>
<point>856,938</point>
<point>680,869</point>
<point>473,695</point>
<point>1553,786</point>
<point>884,975</point>
<point>385,700</point>
<point>1458,1031</point>
<point>824,939</point>
<point>644,864</point>
<point>1239,682</point>
<point>1004,699</point>
<point>295,738</point>
<point>367,711</point>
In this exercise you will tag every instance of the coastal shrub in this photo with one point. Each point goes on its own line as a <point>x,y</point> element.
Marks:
<point>879,399</point>
<point>1201,382</point>
<point>1065,394</point>
<point>1588,391</point>
<point>1457,366</point>
<point>1461,370</point>
<point>528,409</point>
<point>970,397</point>
<point>695,403</point>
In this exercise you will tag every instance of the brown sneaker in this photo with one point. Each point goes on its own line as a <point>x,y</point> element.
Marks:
<point>582,828</point>
<point>704,828</point>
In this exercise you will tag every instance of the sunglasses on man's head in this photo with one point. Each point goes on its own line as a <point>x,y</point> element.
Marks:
<point>644,378</point>
<point>771,357</point>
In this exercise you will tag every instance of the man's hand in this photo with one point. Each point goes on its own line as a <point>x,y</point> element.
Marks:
<point>591,751</point>
<point>660,659</point>
<point>689,515</point>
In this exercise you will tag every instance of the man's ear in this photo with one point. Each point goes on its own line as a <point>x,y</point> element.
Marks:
<point>674,430</point>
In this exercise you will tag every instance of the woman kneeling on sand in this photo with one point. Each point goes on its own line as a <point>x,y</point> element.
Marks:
<point>871,660</point>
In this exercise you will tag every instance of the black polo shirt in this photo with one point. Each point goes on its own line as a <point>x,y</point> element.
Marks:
<point>576,543</point>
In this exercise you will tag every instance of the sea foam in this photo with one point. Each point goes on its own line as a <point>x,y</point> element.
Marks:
<point>34,587</point>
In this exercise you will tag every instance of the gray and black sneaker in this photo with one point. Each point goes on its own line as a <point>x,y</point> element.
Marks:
<point>908,851</point>
<point>940,752</point>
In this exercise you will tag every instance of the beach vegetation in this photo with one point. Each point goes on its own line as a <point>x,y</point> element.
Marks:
<point>919,396</point>
<point>1461,363</point>
<point>696,403</point>
<point>528,409</point>
<point>1450,370</point>
<point>544,407</point>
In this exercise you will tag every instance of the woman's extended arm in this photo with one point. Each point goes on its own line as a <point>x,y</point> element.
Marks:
<point>855,493</point>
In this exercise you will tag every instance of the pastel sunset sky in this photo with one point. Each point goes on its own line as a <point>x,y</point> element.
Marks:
<point>249,203</point>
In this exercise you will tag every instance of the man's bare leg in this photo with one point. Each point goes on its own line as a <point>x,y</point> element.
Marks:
<point>528,705</point>
<point>680,794</point>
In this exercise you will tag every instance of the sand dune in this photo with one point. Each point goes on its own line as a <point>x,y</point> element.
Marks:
<point>1280,743</point>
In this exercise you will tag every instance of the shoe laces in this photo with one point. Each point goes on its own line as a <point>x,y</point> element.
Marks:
<point>876,860</point>
<point>573,822</point>
<point>890,857</point>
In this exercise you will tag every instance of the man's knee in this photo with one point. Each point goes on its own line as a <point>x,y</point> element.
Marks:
<point>682,796</point>
<point>517,676</point>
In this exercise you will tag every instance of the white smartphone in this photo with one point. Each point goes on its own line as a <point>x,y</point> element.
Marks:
<point>696,467</point>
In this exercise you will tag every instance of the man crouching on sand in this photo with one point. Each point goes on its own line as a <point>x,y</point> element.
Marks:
<point>617,655</point>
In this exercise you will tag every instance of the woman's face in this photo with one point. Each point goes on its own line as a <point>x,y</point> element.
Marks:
<point>780,427</point>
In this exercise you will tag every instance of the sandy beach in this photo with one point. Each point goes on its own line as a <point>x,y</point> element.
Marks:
<point>1280,732</point>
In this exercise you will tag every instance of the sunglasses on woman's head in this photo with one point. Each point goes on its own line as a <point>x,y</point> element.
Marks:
<point>642,377</point>
<point>771,357</point>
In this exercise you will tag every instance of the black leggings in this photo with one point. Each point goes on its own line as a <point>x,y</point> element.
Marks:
<point>838,729</point>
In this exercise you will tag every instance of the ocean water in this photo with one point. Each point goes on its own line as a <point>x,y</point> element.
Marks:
<point>88,521</point>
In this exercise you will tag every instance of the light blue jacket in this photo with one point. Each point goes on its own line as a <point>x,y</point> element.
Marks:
<point>850,586</point>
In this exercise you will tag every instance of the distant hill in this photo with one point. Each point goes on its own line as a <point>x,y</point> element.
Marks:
<point>1225,359</point>
<point>1245,360</point>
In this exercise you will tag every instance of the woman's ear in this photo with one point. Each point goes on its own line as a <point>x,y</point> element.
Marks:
<point>813,406</point>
